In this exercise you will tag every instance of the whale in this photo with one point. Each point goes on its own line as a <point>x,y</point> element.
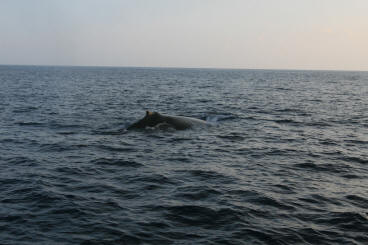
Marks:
<point>155,119</point>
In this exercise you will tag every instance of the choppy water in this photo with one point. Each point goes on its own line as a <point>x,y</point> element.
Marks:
<point>284,162</point>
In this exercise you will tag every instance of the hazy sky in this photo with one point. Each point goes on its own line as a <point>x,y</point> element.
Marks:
<point>279,34</point>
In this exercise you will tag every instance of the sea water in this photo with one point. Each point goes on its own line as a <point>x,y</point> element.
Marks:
<point>284,159</point>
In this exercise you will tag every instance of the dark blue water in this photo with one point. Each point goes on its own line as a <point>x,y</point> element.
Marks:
<point>284,160</point>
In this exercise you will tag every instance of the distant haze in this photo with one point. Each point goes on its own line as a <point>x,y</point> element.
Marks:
<point>269,34</point>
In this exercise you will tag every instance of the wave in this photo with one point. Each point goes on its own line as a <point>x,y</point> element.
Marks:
<point>35,124</point>
<point>116,162</point>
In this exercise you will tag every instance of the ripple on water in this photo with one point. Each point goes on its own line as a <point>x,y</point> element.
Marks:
<point>339,168</point>
<point>201,216</point>
<point>55,147</point>
<point>34,124</point>
<point>209,175</point>
<point>21,161</point>
<point>111,148</point>
<point>348,221</point>
<point>197,193</point>
<point>159,179</point>
<point>358,201</point>
<point>116,162</point>
<point>359,160</point>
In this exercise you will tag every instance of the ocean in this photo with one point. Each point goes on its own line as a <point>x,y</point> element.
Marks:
<point>283,160</point>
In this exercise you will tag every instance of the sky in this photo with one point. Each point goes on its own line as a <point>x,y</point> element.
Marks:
<point>253,34</point>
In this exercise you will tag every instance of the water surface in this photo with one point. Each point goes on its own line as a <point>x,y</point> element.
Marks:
<point>285,160</point>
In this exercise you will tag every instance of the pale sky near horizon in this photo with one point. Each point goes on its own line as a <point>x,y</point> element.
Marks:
<point>263,34</point>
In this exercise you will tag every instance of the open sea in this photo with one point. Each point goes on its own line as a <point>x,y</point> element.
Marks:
<point>284,159</point>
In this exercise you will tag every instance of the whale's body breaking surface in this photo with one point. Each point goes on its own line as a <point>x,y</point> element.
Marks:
<point>153,119</point>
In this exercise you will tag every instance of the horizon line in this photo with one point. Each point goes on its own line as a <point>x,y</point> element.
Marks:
<point>187,67</point>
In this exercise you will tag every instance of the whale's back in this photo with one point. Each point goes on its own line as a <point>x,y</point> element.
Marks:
<point>153,119</point>
<point>181,122</point>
